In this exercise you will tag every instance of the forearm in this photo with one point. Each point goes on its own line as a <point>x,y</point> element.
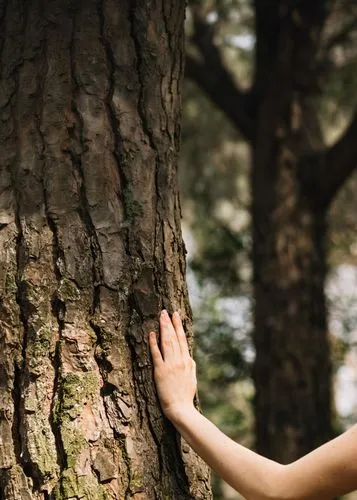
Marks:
<point>252,475</point>
<point>327,472</point>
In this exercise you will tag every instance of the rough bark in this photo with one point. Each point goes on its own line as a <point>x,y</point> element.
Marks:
<point>90,249</point>
<point>293,181</point>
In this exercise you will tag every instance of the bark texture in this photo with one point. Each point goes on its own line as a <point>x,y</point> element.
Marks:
<point>90,249</point>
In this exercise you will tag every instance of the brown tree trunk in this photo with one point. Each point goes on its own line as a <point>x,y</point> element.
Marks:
<point>292,372</point>
<point>90,249</point>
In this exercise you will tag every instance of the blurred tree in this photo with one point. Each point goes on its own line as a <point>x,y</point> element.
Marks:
<point>302,52</point>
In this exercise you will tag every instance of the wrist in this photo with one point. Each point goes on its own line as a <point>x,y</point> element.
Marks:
<point>179,415</point>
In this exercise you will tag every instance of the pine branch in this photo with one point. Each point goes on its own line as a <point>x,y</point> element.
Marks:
<point>213,77</point>
<point>340,162</point>
<point>224,94</point>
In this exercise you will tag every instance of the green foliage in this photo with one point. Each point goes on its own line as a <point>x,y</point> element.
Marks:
<point>223,367</point>
<point>221,255</point>
<point>216,338</point>
<point>214,188</point>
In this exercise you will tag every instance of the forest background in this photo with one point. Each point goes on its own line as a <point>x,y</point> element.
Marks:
<point>216,204</point>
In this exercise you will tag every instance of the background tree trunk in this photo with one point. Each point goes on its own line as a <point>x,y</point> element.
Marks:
<point>90,249</point>
<point>292,369</point>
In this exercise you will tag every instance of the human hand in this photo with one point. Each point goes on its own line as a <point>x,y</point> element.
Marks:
<point>174,369</point>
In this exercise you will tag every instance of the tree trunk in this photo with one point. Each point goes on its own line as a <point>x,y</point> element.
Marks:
<point>292,372</point>
<point>90,249</point>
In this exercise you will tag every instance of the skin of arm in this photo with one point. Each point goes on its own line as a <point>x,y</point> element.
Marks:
<point>327,472</point>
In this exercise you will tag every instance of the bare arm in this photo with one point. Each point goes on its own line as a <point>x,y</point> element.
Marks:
<point>328,471</point>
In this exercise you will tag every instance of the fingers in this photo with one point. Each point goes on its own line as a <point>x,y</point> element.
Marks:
<point>180,332</point>
<point>170,347</point>
<point>173,340</point>
<point>155,351</point>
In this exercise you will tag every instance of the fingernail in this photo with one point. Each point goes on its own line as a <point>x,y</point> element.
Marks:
<point>164,313</point>
<point>176,314</point>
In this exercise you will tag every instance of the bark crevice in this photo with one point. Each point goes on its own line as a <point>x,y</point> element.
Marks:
<point>21,296</point>
<point>76,159</point>
<point>140,49</point>
<point>118,151</point>
<point>58,307</point>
